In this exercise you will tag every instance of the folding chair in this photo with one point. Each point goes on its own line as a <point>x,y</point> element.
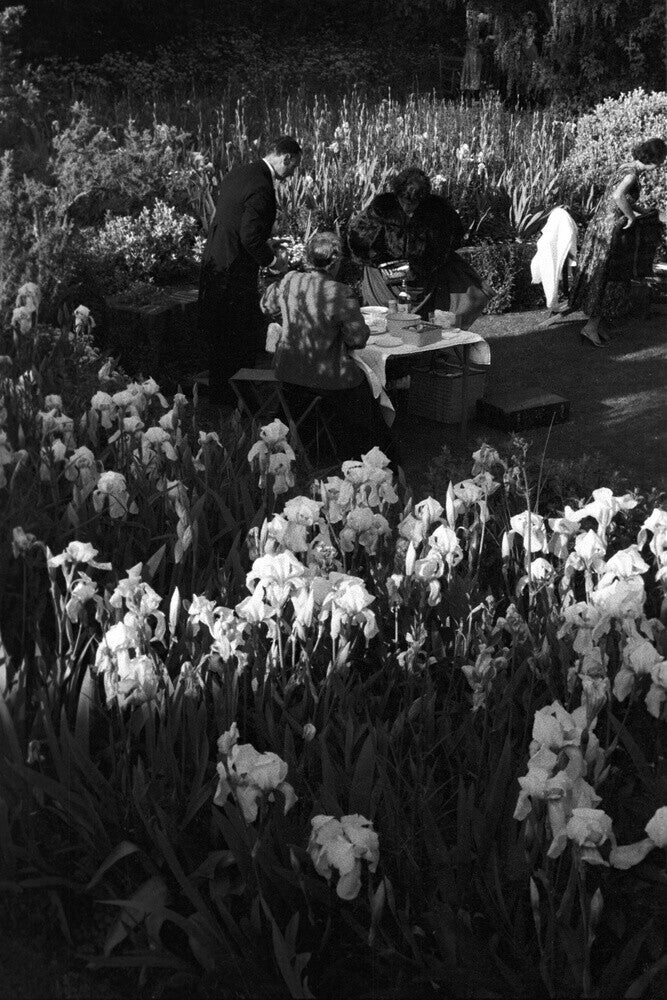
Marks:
<point>260,396</point>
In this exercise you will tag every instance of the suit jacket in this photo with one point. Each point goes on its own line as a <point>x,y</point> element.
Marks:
<point>237,242</point>
<point>322,322</point>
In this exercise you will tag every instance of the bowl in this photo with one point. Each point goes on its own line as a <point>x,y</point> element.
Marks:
<point>397,320</point>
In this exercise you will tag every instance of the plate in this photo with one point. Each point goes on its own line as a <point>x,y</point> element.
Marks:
<point>385,340</point>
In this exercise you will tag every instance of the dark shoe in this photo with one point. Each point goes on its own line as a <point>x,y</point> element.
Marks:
<point>592,339</point>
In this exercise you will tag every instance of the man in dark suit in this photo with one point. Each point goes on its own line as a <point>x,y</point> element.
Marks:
<point>236,248</point>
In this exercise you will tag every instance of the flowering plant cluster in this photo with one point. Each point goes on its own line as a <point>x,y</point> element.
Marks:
<point>455,673</point>
<point>160,244</point>
<point>293,248</point>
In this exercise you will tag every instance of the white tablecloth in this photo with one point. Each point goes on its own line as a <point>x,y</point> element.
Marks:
<point>372,360</point>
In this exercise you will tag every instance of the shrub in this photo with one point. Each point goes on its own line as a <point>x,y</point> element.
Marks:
<point>605,137</point>
<point>506,266</point>
<point>97,170</point>
<point>160,245</point>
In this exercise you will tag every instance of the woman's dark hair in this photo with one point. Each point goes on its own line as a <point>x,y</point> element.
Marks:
<point>411,184</point>
<point>651,151</point>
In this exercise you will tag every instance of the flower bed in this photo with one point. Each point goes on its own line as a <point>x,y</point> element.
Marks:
<point>301,734</point>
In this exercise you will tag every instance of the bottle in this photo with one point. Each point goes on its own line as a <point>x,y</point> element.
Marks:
<point>403,298</point>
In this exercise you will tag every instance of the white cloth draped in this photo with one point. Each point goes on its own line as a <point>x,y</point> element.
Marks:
<point>557,242</point>
<point>372,359</point>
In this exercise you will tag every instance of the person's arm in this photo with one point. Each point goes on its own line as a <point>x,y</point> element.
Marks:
<point>270,302</point>
<point>620,196</point>
<point>353,326</point>
<point>447,231</point>
<point>253,230</point>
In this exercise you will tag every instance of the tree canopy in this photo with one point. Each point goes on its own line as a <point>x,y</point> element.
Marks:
<point>585,48</point>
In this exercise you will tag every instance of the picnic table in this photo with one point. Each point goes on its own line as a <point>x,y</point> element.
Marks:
<point>373,359</point>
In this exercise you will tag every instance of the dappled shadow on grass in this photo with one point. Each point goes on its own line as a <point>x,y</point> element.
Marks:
<point>616,394</point>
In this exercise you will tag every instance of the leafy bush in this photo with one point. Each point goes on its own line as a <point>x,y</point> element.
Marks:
<point>159,245</point>
<point>506,266</point>
<point>96,171</point>
<point>604,139</point>
<point>90,172</point>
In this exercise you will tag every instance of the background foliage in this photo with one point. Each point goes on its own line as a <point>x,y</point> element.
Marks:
<point>586,49</point>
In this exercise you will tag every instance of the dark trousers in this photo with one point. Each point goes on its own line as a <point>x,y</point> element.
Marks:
<point>353,416</point>
<point>234,328</point>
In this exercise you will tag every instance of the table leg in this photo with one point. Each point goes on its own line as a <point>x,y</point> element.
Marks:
<point>464,393</point>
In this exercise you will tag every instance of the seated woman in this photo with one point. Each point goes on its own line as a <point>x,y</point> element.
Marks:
<point>321,325</point>
<point>412,224</point>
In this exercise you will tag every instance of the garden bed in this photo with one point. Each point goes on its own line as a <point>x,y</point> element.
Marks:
<point>231,697</point>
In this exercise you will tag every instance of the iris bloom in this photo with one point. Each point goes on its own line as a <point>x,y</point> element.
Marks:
<point>6,457</point>
<point>278,576</point>
<point>603,507</point>
<point>128,675</point>
<point>563,791</point>
<point>347,603</point>
<point>81,468</point>
<point>29,295</point>
<point>622,599</point>
<point>485,459</point>
<point>76,553</point>
<point>531,528</point>
<point>623,565</point>
<point>83,590</point>
<point>656,524</point>
<point>589,828</point>
<point>112,486</point>
<point>444,541</point>
<point>272,437</point>
<point>628,855</point>
<point>103,408</point>
<point>251,776</point>
<point>23,319</point>
<point>302,510</point>
<point>343,844</point>
<point>83,320</point>
<point>657,693</point>
<point>160,440</point>
<point>562,532</point>
<point>364,526</point>
<point>22,541</point>
<point>480,676</point>
<point>280,467</point>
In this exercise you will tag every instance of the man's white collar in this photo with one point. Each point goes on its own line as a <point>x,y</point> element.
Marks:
<point>274,175</point>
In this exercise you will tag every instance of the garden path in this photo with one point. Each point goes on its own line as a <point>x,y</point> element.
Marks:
<point>617,395</point>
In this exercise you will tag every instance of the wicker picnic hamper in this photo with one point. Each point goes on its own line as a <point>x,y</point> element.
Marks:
<point>436,392</point>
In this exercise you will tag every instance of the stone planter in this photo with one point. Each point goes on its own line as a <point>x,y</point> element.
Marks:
<point>158,339</point>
